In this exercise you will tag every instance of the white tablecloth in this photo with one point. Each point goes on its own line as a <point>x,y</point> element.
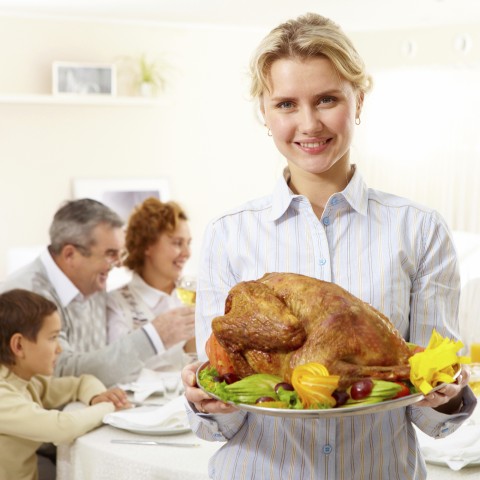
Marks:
<point>94,457</point>
<point>437,472</point>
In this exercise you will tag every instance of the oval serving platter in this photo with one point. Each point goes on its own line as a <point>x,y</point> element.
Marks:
<point>326,412</point>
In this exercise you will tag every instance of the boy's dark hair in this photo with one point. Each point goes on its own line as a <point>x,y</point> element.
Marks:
<point>21,311</point>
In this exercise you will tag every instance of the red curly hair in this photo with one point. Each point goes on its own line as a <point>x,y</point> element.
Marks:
<point>147,222</point>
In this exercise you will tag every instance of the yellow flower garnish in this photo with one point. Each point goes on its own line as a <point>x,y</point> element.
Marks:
<point>314,384</point>
<point>437,364</point>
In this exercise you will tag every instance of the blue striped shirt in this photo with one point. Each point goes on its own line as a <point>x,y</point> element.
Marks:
<point>390,252</point>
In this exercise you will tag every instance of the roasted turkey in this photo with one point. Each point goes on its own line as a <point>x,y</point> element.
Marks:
<point>282,320</point>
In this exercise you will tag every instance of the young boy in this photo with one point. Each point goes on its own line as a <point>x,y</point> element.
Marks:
<point>29,329</point>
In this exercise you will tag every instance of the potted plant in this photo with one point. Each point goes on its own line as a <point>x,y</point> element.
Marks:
<point>150,77</point>
<point>144,74</point>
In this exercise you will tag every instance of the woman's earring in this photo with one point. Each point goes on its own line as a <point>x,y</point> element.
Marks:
<point>358,121</point>
<point>269,133</point>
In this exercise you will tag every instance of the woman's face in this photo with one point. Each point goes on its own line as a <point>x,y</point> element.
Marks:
<point>168,255</point>
<point>311,112</point>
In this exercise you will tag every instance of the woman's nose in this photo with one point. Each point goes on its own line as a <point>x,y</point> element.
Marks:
<point>310,121</point>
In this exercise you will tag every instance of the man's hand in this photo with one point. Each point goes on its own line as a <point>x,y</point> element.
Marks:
<point>176,325</point>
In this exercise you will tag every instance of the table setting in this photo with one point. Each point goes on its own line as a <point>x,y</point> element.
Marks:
<point>146,442</point>
<point>168,419</point>
<point>154,387</point>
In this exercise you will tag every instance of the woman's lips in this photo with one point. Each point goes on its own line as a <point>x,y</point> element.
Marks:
<point>313,147</point>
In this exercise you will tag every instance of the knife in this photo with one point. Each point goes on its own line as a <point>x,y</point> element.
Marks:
<point>154,442</point>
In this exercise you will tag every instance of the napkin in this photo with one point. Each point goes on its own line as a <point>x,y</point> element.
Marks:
<point>459,449</point>
<point>150,382</point>
<point>169,416</point>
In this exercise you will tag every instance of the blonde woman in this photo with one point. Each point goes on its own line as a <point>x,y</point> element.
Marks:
<point>323,221</point>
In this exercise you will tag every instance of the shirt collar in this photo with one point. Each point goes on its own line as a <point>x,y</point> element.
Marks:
<point>10,377</point>
<point>64,287</point>
<point>355,193</point>
<point>150,295</point>
<point>282,196</point>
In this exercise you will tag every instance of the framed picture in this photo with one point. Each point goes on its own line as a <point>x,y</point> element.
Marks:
<point>121,195</point>
<point>83,79</point>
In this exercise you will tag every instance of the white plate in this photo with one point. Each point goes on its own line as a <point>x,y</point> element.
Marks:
<point>327,412</point>
<point>158,431</point>
<point>441,463</point>
<point>151,420</point>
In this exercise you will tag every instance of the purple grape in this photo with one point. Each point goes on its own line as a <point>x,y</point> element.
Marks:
<point>340,397</point>
<point>231,378</point>
<point>361,389</point>
<point>285,386</point>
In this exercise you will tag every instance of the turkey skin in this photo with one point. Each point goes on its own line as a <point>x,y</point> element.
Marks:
<point>282,320</point>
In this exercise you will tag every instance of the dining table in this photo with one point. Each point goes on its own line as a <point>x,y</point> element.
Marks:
<point>95,456</point>
<point>107,454</point>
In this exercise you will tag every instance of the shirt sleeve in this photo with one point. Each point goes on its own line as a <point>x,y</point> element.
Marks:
<point>54,392</point>
<point>439,425</point>
<point>435,291</point>
<point>119,362</point>
<point>154,337</point>
<point>434,305</point>
<point>22,417</point>
<point>214,281</point>
<point>117,325</point>
<point>215,428</point>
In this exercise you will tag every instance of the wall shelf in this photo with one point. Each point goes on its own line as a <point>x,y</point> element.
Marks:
<point>81,100</point>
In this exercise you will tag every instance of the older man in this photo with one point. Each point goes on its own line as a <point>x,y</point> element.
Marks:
<point>86,241</point>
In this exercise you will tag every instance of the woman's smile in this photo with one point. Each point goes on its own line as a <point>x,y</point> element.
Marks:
<point>310,111</point>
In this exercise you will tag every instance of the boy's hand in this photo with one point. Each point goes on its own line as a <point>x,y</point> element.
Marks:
<point>115,395</point>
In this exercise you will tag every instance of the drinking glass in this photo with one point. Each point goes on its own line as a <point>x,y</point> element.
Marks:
<point>171,382</point>
<point>475,352</point>
<point>186,290</point>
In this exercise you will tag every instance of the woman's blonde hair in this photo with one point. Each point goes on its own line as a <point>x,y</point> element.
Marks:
<point>147,222</point>
<point>308,36</point>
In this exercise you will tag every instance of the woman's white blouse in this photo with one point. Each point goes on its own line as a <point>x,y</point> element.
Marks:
<point>392,253</point>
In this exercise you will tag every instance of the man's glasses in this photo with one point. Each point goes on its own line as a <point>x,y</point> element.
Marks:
<point>113,257</point>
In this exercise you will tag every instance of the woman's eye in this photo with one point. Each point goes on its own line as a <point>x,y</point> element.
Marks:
<point>285,105</point>
<point>326,100</point>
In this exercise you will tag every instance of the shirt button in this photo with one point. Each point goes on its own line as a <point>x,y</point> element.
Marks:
<point>327,449</point>
<point>444,429</point>
<point>334,200</point>
<point>322,261</point>
<point>218,436</point>
<point>326,221</point>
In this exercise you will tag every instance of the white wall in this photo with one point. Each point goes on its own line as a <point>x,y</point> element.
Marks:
<point>204,139</point>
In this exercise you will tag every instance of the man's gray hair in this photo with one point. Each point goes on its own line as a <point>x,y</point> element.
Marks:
<point>75,220</point>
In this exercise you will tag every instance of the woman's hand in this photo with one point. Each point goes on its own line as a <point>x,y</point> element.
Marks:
<point>203,402</point>
<point>448,399</point>
<point>115,395</point>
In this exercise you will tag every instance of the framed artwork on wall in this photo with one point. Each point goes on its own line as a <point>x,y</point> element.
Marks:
<point>70,78</point>
<point>121,195</point>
